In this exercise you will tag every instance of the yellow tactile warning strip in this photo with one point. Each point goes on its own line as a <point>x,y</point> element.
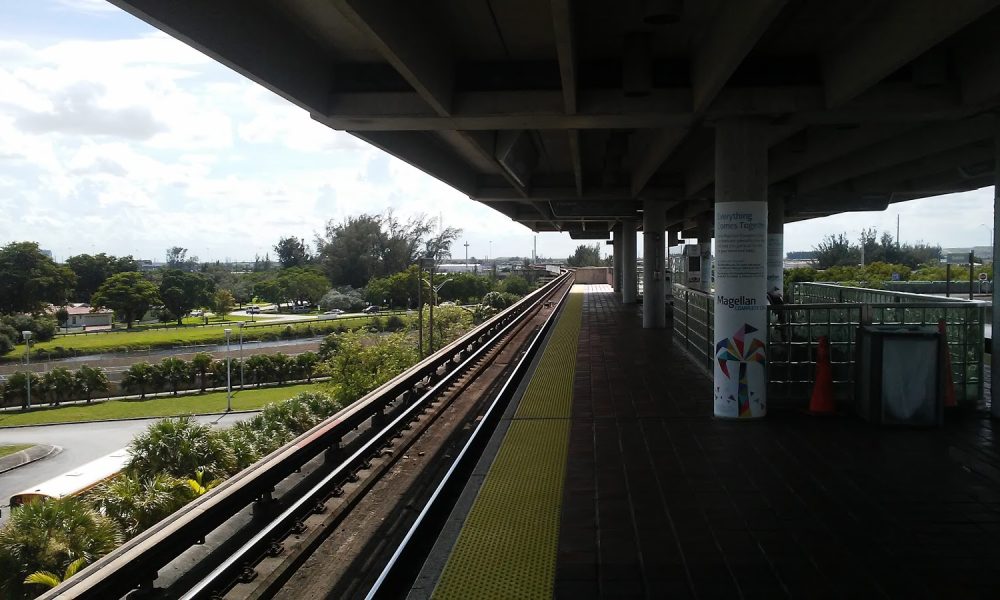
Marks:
<point>507,547</point>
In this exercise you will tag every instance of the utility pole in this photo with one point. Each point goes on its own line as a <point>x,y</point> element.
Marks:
<point>420,307</point>
<point>466,255</point>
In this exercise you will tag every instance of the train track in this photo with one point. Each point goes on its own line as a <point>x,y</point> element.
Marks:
<point>349,508</point>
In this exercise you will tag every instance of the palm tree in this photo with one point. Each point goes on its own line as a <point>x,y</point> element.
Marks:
<point>50,535</point>
<point>92,380</point>
<point>174,372</point>
<point>60,384</point>
<point>259,368</point>
<point>202,364</point>
<point>281,366</point>
<point>306,363</point>
<point>139,377</point>
<point>136,504</point>
<point>17,387</point>
<point>49,580</point>
<point>180,447</point>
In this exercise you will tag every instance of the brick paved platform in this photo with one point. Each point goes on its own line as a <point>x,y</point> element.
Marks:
<point>663,501</point>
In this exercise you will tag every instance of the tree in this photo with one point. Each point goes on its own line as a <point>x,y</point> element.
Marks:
<point>128,294</point>
<point>138,377</point>
<point>304,286</point>
<point>258,368</point>
<point>202,363</point>
<point>361,364</point>
<point>305,365</point>
<point>62,316</point>
<point>281,367</point>
<point>49,536</point>
<point>181,292</point>
<point>292,252</point>
<point>345,298</point>
<point>179,447</point>
<point>29,279</point>
<point>17,387</point>
<point>366,246</point>
<point>177,258</point>
<point>90,381</point>
<point>222,303</point>
<point>136,504</point>
<point>174,372</point>
<point>93,270</point>
<point>517,285</point>
<point>585,256</point>
<point>49,580</point>
<point>60,385</point>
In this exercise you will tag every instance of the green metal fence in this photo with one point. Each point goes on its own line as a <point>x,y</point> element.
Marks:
<point>794,331</point>
<point>811,292</point>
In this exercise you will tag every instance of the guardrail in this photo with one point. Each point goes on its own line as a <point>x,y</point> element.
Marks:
<point>794,330</point>
<point>136,563</point>
<point>813,292</point>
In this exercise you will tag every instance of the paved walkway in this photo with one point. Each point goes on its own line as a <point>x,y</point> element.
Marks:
<point>662,500</point>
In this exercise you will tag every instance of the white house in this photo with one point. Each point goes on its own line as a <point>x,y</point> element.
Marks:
<point>82,315</point>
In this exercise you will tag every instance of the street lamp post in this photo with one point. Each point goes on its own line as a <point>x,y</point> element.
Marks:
<point>434,291</point>
<point>27,362</point>
<point>229,386</point>
<point>242,325</point>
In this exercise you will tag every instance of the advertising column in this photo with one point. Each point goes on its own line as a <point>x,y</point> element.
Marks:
<point>740,381</point>
<point>740,308</point>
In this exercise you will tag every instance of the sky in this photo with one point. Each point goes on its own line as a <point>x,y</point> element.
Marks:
<point>116,138</point>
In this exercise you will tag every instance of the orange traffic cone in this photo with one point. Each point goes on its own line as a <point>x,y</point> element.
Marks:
<point>822,402</point>
<point>949,381</point>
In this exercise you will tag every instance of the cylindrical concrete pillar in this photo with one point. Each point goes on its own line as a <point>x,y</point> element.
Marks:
<point>776,246</point>
<point>616,258</point>
<point>705,252</point>
<point>630,268</point>
<point>740,268</point>
<point>654,304</point>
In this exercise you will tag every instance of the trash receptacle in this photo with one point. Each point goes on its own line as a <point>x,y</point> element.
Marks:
<point>899,375</point>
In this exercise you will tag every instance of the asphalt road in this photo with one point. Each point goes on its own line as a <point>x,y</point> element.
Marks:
<point>81,443</point>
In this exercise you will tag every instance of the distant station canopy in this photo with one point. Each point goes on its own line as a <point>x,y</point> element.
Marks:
<point>565,116</point>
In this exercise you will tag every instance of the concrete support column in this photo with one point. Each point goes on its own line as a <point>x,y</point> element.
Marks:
<point>630,269</point>
<point>995,321</point>
<point>617,263</point>
<point>654,248</point>
<point>740,268</point>
<point>705,251</point>
<point>776,246</point>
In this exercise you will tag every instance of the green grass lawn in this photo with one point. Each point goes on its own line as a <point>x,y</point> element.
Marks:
<point>5,450</point>
<point>211,402</point>
<point>168,338</point>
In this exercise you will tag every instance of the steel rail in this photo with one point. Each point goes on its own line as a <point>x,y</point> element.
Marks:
<point>135,564</point>
<point>399,572</point>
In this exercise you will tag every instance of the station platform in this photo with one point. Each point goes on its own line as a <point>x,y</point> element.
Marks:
<point>625,486</point>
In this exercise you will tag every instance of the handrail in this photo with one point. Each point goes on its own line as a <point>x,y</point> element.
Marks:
<point>137,561</point>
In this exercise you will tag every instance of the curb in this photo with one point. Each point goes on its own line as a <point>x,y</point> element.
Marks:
<point>27,456</point>
<point>221,414</point>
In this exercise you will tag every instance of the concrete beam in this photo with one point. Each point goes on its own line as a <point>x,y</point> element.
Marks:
<point>293,66</point>
<point>977,60</point>
<point>892,37</point>
<point>827,144</point>
<point>904,148</point>
<point>731,37</point>
<point>963,163</point>
<point>400,33</point>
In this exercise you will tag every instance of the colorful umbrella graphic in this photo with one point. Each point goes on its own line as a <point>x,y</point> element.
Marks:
<point>734,349</point>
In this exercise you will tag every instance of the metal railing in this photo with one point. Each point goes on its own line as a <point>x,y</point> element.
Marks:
<point>794,330</point>
<point>812,292</point>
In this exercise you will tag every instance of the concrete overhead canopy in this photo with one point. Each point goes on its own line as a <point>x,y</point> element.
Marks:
<point>564,115</point>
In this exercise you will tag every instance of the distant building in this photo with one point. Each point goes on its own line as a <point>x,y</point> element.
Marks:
<point>86,317</point>
<point>461,268</point>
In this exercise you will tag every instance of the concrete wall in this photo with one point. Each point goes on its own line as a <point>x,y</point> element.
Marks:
<point>593,275</point>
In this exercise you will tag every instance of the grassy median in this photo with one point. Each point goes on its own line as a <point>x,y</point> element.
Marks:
<point>166,406</point>
<point>121,341</point>
<point>5,450</point>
